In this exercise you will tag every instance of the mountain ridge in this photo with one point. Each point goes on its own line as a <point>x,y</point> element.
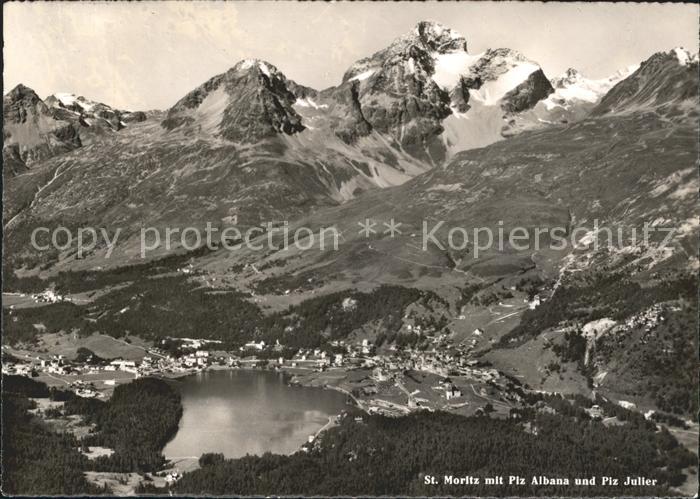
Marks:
<point>250,144</point>
<point>36,129</point>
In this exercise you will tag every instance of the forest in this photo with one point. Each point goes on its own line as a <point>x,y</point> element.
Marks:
<point>659,361</point>
<point>611,295</point>
<point>391,456</point>
<point>376,456</point>
<point>136,422</point>
<point>161,306</point>
<point>662,360</point>
<point>36,460</point>
<point>77,281</point>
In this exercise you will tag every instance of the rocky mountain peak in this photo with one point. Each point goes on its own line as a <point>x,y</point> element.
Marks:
<point>249,102</point>
<point>570,77</point>
<point>31,132</point>
<point>89,113</point>
<point>21,92</point>
<point>494,62</point>
<point>502,77</point>
<point>36,129</point>
<point>393,93</point>
<point>667,82</point>
<point>257,66</point>
<point>21,102</point>
<point>416,50</point>
<point>677,56</point>
<point>439,38</point>
<point>410,88</point>
<point>68,101</point>
<point>684,56</point>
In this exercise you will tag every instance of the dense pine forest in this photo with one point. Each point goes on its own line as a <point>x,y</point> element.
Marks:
<point>392,456</point>
<point>178,306</point>
<point>36,460</point>
<point>136,422</point>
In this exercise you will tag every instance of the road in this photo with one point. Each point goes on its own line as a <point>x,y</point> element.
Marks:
<point>499,319</point>
<point>329,424</point>
<point>359,403</point>
<point>56,378</point>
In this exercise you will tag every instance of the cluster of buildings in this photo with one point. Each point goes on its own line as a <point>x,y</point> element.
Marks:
<point>85,390</point>
<point>20,369</point>
<point>449,388</point>
<point>56,364</point>
<point>197,359</point>
<point>648,319</point>
<point>49,296</point>
<point>192,355</point>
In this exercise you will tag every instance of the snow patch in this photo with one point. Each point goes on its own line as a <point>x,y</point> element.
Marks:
<point>308,102</point>
<point>68,100</point>
<point>683,56</point>
<point>685,191</point>
<point>689,226</point>
<point>451,66</point>
<point>264,68</point>
<point>480,126</point>
<point>363,76</point>
<point>65,98</point>
<point>582,89</point>
<point>211,111</point>
<point>246,63</point>
<point>446,187</point>
<point>493,91</point>
<point>411,65</point>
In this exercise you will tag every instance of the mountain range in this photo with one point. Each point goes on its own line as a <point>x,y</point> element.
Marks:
<point>423,131</point>
<point>396,114</point>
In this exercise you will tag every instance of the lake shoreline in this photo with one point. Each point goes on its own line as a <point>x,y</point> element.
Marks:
<point>243,415</point>
<point>289,375</point>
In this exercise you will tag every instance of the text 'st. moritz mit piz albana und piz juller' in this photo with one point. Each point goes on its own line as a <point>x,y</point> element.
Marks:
<point>515,480</point>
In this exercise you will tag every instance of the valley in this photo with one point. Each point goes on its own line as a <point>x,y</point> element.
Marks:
<point>514,273</point>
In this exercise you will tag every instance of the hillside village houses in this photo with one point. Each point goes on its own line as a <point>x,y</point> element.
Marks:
<point>440,362</point>
<point>648,319</point>
<point>20,369</point>
<point>627,405</point>
<point>535,302</point>
<point>49,296</point>
<point>191,355</point>
<point>253,345</point>
<point>452,392</point>
<point>595,412</point>
<point>122,365</point>
<point>196,344</point>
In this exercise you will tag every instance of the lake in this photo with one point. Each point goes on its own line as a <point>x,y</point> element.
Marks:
<point>239,412</point>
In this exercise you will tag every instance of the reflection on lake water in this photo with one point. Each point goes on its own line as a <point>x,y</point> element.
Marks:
<point>238,412</point>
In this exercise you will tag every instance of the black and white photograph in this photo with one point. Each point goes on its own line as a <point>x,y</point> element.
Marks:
<point>350,249</point>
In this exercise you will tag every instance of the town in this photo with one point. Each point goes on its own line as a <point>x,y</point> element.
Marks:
<point>393,382</point>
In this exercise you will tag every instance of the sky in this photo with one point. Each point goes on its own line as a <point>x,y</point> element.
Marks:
<point>148,55</point>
